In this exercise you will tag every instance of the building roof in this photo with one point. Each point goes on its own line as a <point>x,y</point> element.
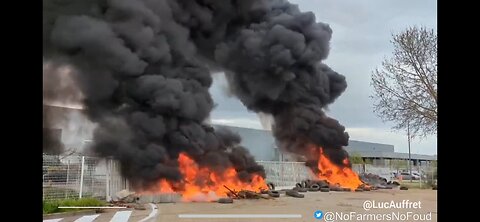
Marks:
<point>393,155</point>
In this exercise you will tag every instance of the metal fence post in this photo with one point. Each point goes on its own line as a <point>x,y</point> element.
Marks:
<point>107,179</point>
<point>294,174</point>
<point>432,170</point>
<point>66,181</point>
<point>92,179</point>
<point>421,175</point>
<point>81,177</point>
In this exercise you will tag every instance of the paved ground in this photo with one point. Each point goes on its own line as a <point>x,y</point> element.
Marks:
<point>333,201</point>
<point>113,215</point>
<point>345,202</point>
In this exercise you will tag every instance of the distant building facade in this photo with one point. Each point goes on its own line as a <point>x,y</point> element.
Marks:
<point>262,145</point>
<point>76,130</point>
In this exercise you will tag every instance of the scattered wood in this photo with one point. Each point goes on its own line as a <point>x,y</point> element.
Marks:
<point>247,194</point>
<point>231,192</point>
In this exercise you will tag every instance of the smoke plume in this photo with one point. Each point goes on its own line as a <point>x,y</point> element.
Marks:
<point>144,68</point>
<point>51,141</point>
<point>52,137</point>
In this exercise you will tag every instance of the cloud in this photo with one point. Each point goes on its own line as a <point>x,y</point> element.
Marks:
<point>239,122</point>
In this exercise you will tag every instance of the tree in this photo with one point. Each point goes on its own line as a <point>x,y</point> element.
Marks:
<point>356,158</point>
<point>405,88</point>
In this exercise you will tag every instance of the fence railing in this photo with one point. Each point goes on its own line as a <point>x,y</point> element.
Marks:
<point>82,176</point>
<point>286,173</point>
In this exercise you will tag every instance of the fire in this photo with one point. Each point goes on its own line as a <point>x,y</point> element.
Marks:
<point>204,184</point>
<point>343,176</point>
<point>165,187</point>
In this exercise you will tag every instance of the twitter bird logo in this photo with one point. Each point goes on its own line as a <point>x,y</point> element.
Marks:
<point>318,214</point>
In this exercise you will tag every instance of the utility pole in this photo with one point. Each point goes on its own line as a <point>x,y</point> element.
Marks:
<point>409,153</point>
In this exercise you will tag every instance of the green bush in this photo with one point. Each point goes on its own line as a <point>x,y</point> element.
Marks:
<point>52,206</point>
<point>416,185</point>
<point>356,158</point>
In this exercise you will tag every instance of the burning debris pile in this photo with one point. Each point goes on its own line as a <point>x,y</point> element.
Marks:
<point>377,181</point>
<point>143,68</point>
<point>369,182</point>
<point>204,184</point>
<point>325,186</point>
<point>340,176</point>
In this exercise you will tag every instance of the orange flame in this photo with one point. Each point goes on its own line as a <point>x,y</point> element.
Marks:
<point>342,176</point>
<point>204,184</point>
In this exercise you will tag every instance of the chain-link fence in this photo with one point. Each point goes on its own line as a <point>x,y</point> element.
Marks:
<point>289,173</point>
<point>286,173</point>
<point>73,177</point>
<point>421,176</point>
<point>82,176</point>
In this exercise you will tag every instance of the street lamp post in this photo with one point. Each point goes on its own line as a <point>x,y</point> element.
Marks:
<point>409,153</point>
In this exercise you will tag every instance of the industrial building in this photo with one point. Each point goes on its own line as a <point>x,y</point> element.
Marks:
<point>74,130</point>
<point>262,145</point>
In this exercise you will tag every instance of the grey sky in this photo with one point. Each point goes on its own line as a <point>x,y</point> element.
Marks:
<point>361,39</point>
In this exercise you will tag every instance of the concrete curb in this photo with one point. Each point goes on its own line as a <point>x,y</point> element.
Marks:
<point>69,214</point>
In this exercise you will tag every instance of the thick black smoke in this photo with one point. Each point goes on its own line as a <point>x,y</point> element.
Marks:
<point>272,55</point>
<point>144,70</point>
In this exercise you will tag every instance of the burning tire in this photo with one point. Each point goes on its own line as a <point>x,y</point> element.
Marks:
<point>294,193</point>
<point>299,185</point>
<point>264,191</point>
<point>324,189</point>
<point>322,183</point>
<point>358,190</point>
<point>274,193</point>
<point>225,200</point>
